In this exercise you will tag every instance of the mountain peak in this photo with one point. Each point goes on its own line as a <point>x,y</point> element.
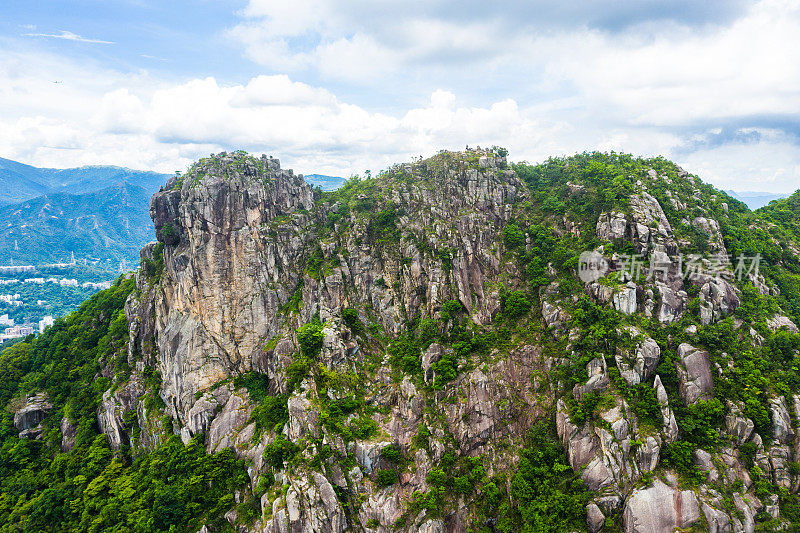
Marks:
<point>226,166</point>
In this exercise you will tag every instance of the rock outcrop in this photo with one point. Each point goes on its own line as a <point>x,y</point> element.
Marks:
<point>28,418</point>
<point>694,373</point>
<point>441,335</point>
<point>660,509</point>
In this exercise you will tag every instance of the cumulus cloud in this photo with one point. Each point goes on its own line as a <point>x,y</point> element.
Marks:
<point>166,126</point>
<point>357,85</point>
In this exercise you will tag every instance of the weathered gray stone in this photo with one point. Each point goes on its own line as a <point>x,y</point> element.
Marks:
<point>781,421</point>
<point>68,433</point>
<point>670,427</point>
<point>710,228</point>
<point>739,427</point>
<point>779,322</point>
<point>611,226</point>
<point>671,304</point>
<point>660,509</point>
<point>702,460</point>
<point>28,418</point>
<point>625,299</point>
<point>598,379</point>
<point>718,298</point>
<point>718,521</point>
<point>595,519</point>
<point>694,374</point>
<point>641,366</point>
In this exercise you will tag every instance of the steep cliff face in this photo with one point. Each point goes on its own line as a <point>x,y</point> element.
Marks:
<point>235,234</point>
<point>383,355</point>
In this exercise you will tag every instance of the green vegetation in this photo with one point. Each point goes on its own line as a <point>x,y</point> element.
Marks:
<point>515,304</point>
<point>50,298</point>
<point>91,487</point>
<point>310,337</point>
<point>546,232</point>
<point>270,412</point>
<point>350,317</point>
<point>546,495</point>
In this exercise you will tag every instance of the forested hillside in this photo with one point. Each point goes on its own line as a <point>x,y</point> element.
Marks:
<point>111,225</point>
<point>424,350</point>
<point>64,476</point>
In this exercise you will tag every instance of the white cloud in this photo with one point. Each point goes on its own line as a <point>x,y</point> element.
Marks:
<point>67,36</point>
<point>704,92</point>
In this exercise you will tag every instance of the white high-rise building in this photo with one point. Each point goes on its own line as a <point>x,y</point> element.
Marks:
<point>44,322</point>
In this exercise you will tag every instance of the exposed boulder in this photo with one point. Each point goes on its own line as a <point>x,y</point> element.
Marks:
<point>430,356</point>
<point>601,293</point>
<point>625,299</point>
<point>474,421</point>
<point>702,460</point>
<point>595,519</point>
<point>718,520</point>
<point>672,303</point>
<point>68,433</point>
<point>554,315</point>
<point>778,322</point>
<point>611,226</point>
<point>670,427</point>
<point>233,418</point>
<point>694,374</point>
<point>28,418</point>
<point>781,421</point>
<point>718,299</point>
<point>710,228</point>
<point>303,417</point>
<point>660,509</point>
<point>578,442</point>
<point>598,379</point>
<point>640,366</point>
<point>310,504</point>
<point>748,511</point>
<point>738,426</point>
<point>780,457</point>
<point>650,225</point>
<point>115,406</point>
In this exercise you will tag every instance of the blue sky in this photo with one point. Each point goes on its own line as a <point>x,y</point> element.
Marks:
<point>342,86</point>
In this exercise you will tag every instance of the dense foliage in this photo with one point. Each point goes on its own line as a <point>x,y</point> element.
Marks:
<point>177,487</point>
<point>91,487</point>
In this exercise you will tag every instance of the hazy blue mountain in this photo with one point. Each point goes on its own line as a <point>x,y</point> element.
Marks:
<point>326,183</point>
<point>110,224</point>
<point>98,212</point>
<point>19,182</point>
<point>755,200</point>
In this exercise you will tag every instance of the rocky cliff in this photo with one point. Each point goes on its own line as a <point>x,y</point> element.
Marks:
<point>396,355</point>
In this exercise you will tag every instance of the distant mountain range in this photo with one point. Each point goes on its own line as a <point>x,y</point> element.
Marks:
<point>756,200</point>
<point>20,182</point>
<point>99,213</point>
<point>326,183</point>
<point>108,225</point>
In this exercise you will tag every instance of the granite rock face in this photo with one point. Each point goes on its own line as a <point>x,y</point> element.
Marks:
<point>247,253</point>
<point>224,277</point>
<point>29,417</point>
<point>660,509</point>
<point>694,373</point>
<point>244,225</point>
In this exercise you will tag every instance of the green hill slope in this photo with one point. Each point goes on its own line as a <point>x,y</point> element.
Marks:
<point>418,351</point>
<point>111,224</point>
